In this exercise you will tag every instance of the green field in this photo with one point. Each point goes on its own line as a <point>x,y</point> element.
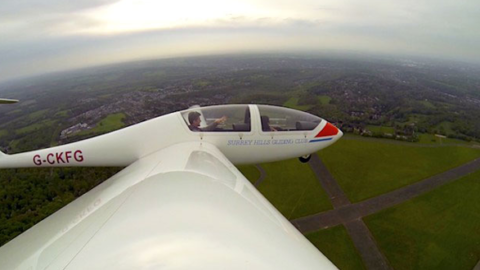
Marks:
<point>106,96</point>
<point>427,104</point>
<point>107,124</point>
<point>381,129</point>
<point>437,230</point>
<point>13,144</point>
<point>34,127</point>
<point>365,169</point>
<point>432,139</point>
<point>14,112</point>
<point>416,118</point>
<point>292,103</point>
<point>3,132</point>
<point>250,172</point>
<point>324,99</point>
<point>37,115</point>
<point>293,189</point>
<point>445,127</point>
<point>336,245</point>
<point>63,113</point>
<point>202,83</point>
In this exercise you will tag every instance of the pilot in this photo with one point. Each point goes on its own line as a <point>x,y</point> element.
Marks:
<point>194,119</point>
<point>266,124</point>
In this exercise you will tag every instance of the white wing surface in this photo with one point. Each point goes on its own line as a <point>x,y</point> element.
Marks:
<point>7,101</point>
<point>184,207</point>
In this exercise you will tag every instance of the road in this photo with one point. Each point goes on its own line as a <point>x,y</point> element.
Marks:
<point>350,215</point>
<point>358,210</point>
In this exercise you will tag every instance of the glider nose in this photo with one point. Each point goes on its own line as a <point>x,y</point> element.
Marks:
<point>330,130</point>
<point>339,134</point>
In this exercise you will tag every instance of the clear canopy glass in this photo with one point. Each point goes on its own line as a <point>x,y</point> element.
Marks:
<point>284,119</point>
<point>225,118</point>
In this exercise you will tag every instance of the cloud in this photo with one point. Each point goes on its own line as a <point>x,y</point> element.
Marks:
<point>13,9</point>
<point>39,36</point>
<point>25,20</point>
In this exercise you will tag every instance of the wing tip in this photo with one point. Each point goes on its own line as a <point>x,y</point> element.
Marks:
<point>8,101</point>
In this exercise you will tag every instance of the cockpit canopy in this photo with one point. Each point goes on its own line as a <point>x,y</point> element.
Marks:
<point>283,119</point>
<point>237,118</point>
<point>226,118</point>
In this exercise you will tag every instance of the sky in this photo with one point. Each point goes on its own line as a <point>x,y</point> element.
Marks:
<point>41,36</point>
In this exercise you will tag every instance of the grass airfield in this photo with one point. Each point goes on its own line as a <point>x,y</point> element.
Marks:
<point>436,230</point>
<point>335,244</point>
<point>369,168</point>
<point>295,198</point>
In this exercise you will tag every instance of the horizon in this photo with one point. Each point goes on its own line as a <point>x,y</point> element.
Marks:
<point>327,54</point>
<point>57,36</point>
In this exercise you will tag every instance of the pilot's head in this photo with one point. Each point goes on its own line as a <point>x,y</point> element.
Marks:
<point>194,119</point>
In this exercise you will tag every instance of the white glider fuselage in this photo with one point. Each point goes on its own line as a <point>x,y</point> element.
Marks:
<point>180,203</point>
<point>125,146</point>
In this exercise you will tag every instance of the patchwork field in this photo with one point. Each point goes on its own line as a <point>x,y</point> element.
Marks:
<point>109,123</point>
<point>35,126</point>
<point>293,103</point>
<point>324,99</point>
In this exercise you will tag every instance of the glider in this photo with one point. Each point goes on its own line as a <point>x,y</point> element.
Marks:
<point>180,203</point>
